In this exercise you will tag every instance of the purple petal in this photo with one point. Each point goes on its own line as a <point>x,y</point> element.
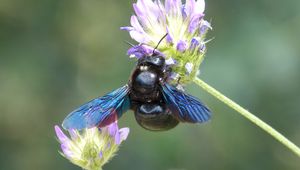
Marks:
<point>173,7</point>
<point>194,23</point>
<point>137,10</point>
<point>205,25</point>
<point>169,38</point>
<point>66,150</point>
<point>151,8</point>
<point>168,5</point>
<point>138,32</point>
<point>140,12</point>
<point>147,3</point>
<point>183,11</point>
<point>139,37</point>
<point>135,24</point>
<point>147,11</point>
<point>178,6</point>
<point>123,133</point>
<point>162,12</point>
<point>181,46</point>
<point>60,135</point>
<point>117,138</point>
<point>100,154</point>
<point>134,51</point>
<point>113,129</point>
<point>189,7</point>
<point>189,67</point>
<point>127,28</point>
<point>139,51</point>
<point>73,134</point>
<point>194,43</point>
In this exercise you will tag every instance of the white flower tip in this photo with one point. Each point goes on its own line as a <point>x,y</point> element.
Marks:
<point>180,87</point>
<point>200,6</point>
<point>170,61</point>
<point>189,67</point>
<point>132,56</point>
<point>124,133</point>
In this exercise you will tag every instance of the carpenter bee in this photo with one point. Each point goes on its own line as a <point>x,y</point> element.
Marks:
<point>157,105</point>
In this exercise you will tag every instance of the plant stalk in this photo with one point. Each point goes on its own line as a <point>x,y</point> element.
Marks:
<point>249,116</point>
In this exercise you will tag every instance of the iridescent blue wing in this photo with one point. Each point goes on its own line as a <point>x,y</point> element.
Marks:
<point>100,111</point>
<point>184,107</point>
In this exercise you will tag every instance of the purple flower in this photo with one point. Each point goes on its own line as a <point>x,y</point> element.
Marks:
<point>91,148</point>
<point>152,20</point>
<point>184,25</point>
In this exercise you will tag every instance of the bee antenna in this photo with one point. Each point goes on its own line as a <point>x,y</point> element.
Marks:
<point>159,43</point>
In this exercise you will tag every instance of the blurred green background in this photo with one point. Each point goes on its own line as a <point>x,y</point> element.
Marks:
<point>58,54</point>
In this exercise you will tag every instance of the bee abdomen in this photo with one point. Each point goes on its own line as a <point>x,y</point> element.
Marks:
<point>155,117</point>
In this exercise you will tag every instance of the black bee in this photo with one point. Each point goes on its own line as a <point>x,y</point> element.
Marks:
<point>157,105</point>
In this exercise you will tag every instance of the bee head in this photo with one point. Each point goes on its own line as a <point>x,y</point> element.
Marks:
<point>153,60</point>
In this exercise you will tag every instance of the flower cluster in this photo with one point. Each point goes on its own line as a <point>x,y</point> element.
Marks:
<point>92,148</point>
<point>184,46</point>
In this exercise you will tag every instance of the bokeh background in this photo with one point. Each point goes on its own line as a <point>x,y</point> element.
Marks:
<point>58,54</point>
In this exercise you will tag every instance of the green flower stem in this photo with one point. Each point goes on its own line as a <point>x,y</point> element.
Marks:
<point>249,116</point>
